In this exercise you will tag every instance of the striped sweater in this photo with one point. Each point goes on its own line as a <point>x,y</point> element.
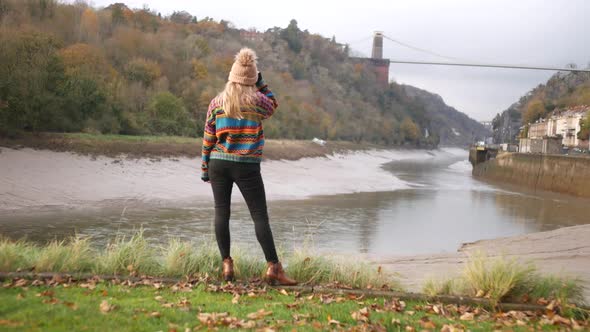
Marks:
<point>239,140</point>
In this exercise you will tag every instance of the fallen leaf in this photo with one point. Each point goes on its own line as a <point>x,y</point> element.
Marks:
<point>235,299</point>
<point>557,319</point>
<point>426,323</point>
<point>51,300</point>
<point>106,307</point>
<point>467,316</point>
<point>361,316</point>
<point>155,314</point>
<point>90,286</point>
<point>451,328</point>
<point>480,293</point>
<point>284,292</point>
<point>20,296</point>
<point>158,298</point>
<point>71,305</point>
<point>259,314</point>
<point>10,323</point>
<point>21,282</point>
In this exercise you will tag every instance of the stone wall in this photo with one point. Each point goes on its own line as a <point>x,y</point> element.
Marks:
<point>562,174</point>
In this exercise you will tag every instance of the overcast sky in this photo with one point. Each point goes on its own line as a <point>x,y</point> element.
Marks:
<point>527,32</point>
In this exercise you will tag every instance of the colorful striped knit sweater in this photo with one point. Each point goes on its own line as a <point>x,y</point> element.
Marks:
<point>239,140</point>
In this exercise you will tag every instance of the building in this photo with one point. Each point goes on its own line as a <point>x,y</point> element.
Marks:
<point>252,35</point>
<point>546,145</point>
<point>562,126</point>
<point>567,125</point>
<point>538,129</point>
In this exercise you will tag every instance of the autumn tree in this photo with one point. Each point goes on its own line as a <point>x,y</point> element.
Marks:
<point>143,71</point>
<point>534,112</point>
<point>410,130</point>
<point>89,26</point>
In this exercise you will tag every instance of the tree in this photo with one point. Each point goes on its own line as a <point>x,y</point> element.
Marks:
<point>30,75</point>
<point>143,71</point>
<point>169,117</point>
<point>86,60</point>
<point>89,26</point>
<point>410,130</point>
<point>291,36</point>
<point>534,112</point>
<point>584,133</point>
<point>181,17</point>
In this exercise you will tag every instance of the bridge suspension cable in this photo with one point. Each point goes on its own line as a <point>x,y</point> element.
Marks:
<point>488,65</point>
<point>466,63</point>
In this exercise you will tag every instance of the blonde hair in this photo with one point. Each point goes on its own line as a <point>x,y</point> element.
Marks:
<point>236,95</point>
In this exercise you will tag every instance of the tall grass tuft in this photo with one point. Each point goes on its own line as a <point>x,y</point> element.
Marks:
<point>16,255</point>
<point>133,255</point>
<point>74,255</point>
<point>180,259</point>
<point>311,268</point>
<point>434,287</point>
<point>248,266</point>
<point>502,279</point>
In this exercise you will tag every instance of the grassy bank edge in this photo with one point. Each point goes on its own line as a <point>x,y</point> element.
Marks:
<point>491,280</point>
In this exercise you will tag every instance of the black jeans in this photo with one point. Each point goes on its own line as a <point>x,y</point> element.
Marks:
<point>222,175</point>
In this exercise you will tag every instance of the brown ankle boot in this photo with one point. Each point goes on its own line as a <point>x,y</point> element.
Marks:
<point>275,275</point>
<point>228,269</point>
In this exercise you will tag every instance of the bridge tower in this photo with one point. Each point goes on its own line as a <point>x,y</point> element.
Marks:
<point>377,45</point>
<point>380,65</point>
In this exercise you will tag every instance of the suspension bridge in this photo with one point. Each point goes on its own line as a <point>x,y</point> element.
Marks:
<point>382,65</point>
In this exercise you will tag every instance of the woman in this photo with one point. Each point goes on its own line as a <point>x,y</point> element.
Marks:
<point>232,152</point>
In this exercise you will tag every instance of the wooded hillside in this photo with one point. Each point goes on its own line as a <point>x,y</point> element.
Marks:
<point>72,68</point>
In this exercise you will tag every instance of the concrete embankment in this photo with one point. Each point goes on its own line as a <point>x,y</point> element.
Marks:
<point>561,174</point>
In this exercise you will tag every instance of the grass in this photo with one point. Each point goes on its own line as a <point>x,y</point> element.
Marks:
<point>502,279</point>
<point>107,307</point>
<point>133,255</point>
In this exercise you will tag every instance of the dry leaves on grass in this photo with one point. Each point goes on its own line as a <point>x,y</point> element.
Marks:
<point>105,307</point>
<point>259,314</point>
<point>213,320</point>
<point>10,323</point>
<point>426,323</point>
<point>361,315</point>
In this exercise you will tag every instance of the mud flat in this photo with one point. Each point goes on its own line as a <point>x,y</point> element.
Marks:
<point>39,178</point>
<point>564,252</point>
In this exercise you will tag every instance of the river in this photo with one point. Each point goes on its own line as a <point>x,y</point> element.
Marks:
<point>394,202</point>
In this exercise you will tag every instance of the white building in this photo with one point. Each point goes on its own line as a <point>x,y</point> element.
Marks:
<point>566,124</point>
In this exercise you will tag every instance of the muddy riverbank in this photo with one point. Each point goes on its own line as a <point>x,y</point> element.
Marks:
<point>40,178</point>
<point>165,147</point>
<point>563,252</point>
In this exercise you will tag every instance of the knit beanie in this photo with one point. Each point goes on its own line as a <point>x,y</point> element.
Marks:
<point>244,70</point>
